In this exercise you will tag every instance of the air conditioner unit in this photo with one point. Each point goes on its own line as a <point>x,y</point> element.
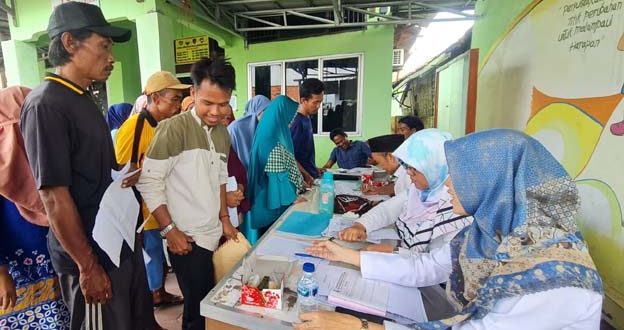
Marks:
<point>398,57</point>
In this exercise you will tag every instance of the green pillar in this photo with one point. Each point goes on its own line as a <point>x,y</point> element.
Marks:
<point>20,63</point>
<point>155,35</point>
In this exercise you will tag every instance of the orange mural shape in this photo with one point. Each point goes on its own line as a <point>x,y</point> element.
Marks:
<point>599,108</point>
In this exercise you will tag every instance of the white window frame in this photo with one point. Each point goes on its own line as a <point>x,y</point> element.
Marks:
<point>320,59</point>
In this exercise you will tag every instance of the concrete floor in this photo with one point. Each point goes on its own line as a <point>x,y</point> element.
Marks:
<point>170,317</point>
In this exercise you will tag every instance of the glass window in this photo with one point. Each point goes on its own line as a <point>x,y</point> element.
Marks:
<point>297,72</point>
<point>341,76</point>
<point>340,104</point>
<point>266,80</point>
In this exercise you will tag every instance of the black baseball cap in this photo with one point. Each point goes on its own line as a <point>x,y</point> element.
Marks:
<point>75,15</point>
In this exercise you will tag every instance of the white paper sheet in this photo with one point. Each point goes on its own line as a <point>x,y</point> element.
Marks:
<point>116,219</point>
<point>406,302</point>
<point>338,223</point>
<point>283,247</point>
<point>328,276</point>
<point>108,239</point>
<point>146,258</point>
<point>354,292</point>
<point>232,185</point>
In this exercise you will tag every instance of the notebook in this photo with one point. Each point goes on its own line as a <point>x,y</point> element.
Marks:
<point>304,224</point>
<point>366,296</point>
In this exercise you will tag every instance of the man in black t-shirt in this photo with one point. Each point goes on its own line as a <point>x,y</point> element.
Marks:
<point>71,154</point>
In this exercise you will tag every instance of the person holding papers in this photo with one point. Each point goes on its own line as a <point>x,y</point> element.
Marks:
<point>71,155</point>
<point>236,169</point>
<point>422,214</point>
<point>522,263</point>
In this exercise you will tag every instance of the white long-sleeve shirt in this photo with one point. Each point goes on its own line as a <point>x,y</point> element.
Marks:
<point>384,214</point>
<point>563,308</point>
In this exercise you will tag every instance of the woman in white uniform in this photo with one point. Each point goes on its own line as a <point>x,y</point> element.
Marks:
<point>423,213</point>
<point>522,264</point>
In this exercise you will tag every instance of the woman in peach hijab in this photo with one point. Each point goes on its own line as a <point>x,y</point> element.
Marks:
<point>29,292</point>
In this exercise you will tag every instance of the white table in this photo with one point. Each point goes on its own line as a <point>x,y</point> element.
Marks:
<point>220,316</point>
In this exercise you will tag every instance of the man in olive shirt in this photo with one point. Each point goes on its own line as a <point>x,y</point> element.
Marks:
<point>71,154</point>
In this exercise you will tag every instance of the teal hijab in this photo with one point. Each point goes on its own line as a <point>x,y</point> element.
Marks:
<point>270,196</point>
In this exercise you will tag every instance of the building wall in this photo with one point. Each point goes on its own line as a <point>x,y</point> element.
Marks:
<point>376,45</point>
<point>554,68</point>
<point>156,23</point>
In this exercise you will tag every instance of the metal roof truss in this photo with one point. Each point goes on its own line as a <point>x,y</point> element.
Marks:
<point>246,15</point>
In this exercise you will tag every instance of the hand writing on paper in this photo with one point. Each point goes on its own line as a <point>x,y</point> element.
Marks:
<point>334,252</point>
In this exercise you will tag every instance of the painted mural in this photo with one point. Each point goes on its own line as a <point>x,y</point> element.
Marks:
<point>559,75</point>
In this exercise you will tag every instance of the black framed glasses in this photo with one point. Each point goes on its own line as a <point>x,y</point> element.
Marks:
<point>403,164</point>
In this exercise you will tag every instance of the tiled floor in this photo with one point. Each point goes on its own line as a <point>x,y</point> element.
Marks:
<point>170,318</point>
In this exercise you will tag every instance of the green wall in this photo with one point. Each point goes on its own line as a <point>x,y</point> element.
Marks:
<point>126,73</point>
<point>33,15</point>
<point>157,23</point>
<point>497,16</point>
<point>376,45</point>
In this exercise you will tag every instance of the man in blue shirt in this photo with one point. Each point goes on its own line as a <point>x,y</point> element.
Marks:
<point>349,154</point>
<point>310,99</point>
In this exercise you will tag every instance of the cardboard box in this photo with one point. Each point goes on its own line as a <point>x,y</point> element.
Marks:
<point>269,298</point>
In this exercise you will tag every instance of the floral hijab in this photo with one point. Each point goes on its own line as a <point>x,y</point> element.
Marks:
<point>524,237</point>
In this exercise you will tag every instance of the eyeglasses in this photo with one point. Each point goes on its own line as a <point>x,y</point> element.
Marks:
<point>174,100</point>
<point>405,166</point>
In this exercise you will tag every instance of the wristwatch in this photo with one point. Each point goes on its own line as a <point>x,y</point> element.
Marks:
<point>364,324</point>
<point>167,229</point>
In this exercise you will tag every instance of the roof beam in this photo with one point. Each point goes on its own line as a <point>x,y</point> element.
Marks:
<point>417,22</point>
<point>314,18</point>
<point>366,12</point>
<point>443,8</point>
<point>337,12</point>
<point>280,11</point>
<point>241,2</point>
<point>259,20</point>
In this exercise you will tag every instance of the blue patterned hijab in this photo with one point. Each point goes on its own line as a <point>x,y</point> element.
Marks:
<point>524,237</point>
<point>242,130</point>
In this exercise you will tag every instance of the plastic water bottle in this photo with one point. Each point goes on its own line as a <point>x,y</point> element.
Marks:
<point>327,194</point>
<point>307,288</point>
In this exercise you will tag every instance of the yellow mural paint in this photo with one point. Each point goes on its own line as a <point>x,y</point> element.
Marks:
<point>604,246</point>
<point>579,132</point>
